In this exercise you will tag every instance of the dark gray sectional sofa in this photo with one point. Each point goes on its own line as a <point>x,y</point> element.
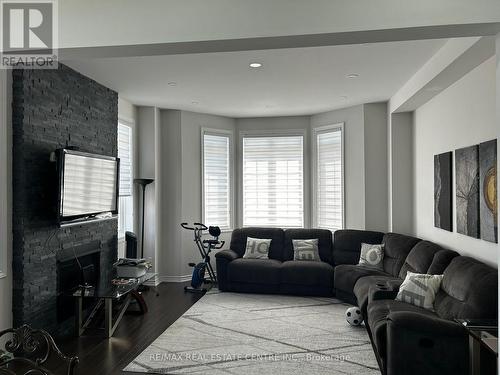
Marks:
<point>280,273</point>
<point>406,339</point>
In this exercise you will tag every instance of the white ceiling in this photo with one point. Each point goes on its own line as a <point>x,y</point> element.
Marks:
<point>298,81</point>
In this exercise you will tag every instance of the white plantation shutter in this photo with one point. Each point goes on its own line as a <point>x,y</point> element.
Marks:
<point>217,180</point>
<point>273,193</point>
<point>329,180</point>
<point>125,155</point>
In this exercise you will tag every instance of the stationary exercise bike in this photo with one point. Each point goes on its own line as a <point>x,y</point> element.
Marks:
<point>205,247</point>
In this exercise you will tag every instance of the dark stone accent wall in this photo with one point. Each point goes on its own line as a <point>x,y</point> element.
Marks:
<point>53,109</point>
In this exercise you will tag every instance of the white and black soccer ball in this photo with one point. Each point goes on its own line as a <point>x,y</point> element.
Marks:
<point>353,316</point>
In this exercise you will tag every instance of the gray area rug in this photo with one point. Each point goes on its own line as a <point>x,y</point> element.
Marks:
<point>231,333</point>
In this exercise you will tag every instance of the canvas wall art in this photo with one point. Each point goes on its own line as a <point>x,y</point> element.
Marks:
<point>467,190</point>
<point>488,207</point>
<point>443,213</point>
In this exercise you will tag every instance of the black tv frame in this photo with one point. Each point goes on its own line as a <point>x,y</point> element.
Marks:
<point>88,217</point>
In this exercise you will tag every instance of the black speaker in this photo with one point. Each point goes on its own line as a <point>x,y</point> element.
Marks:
<point>131,250</point>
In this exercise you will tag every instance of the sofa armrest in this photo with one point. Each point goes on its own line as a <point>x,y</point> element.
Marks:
<point>383,290</point>
<point>418,343</point>
<point>228,254</point>
<point>424,324</point>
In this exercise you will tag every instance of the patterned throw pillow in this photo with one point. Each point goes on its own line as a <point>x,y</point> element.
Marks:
<point>372,256</point>
<point>306,250</point>
<point>419,289</point>
<point>257,248</point>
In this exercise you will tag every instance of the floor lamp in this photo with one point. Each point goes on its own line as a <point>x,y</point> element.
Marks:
<point>143,182</point>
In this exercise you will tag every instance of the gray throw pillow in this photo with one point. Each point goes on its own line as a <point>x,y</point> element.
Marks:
<point>372,256</point>
<point>306,250</point>
<point>257,248</point>
<point>419,289</point>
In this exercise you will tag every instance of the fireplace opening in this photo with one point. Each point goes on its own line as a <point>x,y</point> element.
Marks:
<point>75,267</point>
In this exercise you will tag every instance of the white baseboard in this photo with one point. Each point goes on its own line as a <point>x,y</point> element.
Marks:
<point>174,279</point>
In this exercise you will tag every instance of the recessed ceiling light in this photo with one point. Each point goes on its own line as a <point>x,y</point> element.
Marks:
<point>172,83</point>
<point>353,75</point>
<point>195,102</point>
<point>255,65</point>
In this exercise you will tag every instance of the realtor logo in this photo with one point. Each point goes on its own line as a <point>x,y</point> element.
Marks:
<point>29,32</point>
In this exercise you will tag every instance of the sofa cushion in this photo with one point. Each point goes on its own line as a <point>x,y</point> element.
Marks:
<point>397,247</point>
<point>325,243</point>
<point>419,289</point>
<point>441,261</point>
<point>420,258</point>
<point>469,290</point>
<point>256,271</point>
<point>372,256</point>
<point>346,276</point>
<point>307,273</point>
<point>239,240</point>
<point>362,288</point>
<point>257,248</point>
<point>377,320</point>
<point>347,244</point>
<point>306,250</point>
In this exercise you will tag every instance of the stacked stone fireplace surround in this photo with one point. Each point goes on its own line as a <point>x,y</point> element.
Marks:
<point>54,109</point>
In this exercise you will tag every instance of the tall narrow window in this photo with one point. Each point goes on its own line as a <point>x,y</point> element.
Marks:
<point>329,189</point>
<point>126,201</point>
<point>273,182</point>
<point>217,179</point>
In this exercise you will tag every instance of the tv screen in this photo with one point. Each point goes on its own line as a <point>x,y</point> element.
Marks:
<point>88,185</point>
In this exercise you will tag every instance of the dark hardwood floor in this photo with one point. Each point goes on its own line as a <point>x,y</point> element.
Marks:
<point>102,356</point>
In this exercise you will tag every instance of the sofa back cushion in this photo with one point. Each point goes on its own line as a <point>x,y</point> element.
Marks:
<point>441,261</point>
<point>347,244</point>
<point>419,258</point>
<point>325,243</point>
<point>397,247</point>
<point>239,240</point>
<point>469,290</point>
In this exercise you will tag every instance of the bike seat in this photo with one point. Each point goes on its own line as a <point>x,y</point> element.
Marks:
<point>212,242</point>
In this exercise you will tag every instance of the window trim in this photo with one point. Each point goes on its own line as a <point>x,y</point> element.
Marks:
<point>314,172</point>
<point>275,133</point>
<point>232,164</point>
<point>131,125</point>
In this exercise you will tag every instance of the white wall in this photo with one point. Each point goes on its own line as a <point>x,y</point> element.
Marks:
<point>402,184</point>
<point>180,189</point>
<point>376,183</point>
<point>462,115</point>
<point>129,22</point>
<point>5,202</point>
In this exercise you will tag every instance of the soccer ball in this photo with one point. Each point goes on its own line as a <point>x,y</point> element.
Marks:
<point>353,316</point>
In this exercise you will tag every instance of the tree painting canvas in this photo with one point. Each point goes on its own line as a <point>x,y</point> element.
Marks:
<point>443,213</point>
<point>488,206</point>
<point>467,190</point>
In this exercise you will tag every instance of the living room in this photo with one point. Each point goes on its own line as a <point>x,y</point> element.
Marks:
<point>339,170</point>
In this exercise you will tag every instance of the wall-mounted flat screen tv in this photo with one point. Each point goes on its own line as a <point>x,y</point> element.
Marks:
<point>88,186</point>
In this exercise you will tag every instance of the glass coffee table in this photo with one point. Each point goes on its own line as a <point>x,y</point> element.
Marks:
<point>109,292</point>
